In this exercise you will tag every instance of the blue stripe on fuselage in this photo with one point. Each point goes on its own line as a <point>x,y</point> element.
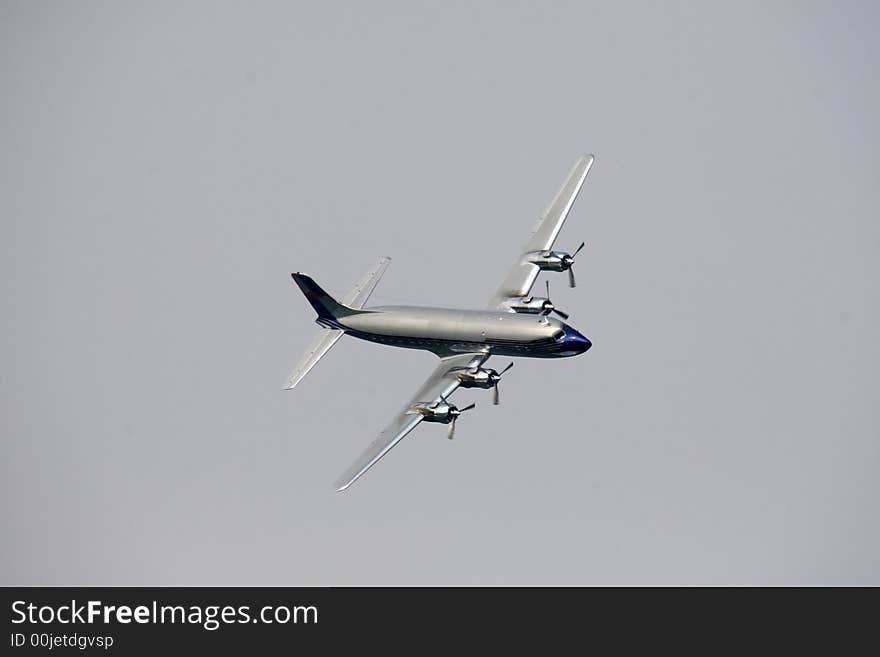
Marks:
<point>571,344</point>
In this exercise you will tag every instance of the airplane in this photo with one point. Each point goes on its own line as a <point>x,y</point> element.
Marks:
<point>515,323</point>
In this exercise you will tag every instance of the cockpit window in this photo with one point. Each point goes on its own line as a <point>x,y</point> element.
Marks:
<point>558,335</point>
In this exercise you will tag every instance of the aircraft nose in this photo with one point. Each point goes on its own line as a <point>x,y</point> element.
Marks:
<point>583,344</point>
<point>577,340</point>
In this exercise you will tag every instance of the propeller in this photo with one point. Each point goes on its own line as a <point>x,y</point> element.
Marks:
<point>551,308</point>
<point>496,377</point>
<point>455,412</point>
<point>568,261</point>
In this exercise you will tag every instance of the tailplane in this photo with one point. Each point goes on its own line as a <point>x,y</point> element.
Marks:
<point>328,310</point>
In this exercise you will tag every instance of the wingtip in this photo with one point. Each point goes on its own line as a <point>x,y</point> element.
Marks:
<point>382,263</point>
<point>292,382</point>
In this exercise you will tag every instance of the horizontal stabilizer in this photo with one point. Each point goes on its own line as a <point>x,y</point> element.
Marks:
<point>320,346</point>
<point>362,291</point>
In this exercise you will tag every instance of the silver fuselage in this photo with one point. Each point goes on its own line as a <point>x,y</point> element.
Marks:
<point>449,331</point>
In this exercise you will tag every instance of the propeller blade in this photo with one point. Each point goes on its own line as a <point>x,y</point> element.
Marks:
<point>451,429</point>
<point>495,399</point>
<point>505,369</point>
<point>561,314</point>
<point>548,305</point>
<point>466,408</point>
<point>571,282</point>
<point>578,250</point>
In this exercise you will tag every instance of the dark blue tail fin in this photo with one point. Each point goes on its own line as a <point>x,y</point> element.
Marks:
<point>326,306</point>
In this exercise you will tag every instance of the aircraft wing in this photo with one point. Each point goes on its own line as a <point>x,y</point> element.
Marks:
<point>521,277</point>
<point>440,383</point>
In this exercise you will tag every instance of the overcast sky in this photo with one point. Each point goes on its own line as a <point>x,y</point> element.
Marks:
<point>164,166</point>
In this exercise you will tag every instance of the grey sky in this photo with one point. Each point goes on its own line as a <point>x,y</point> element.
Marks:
<point>164,166</point>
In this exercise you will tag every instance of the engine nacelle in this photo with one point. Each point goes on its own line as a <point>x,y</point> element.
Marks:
<point>480,377</point>
<point>550,260</point>
<point>476,378</point>
<point>442,412</point>
<point>532,305</point>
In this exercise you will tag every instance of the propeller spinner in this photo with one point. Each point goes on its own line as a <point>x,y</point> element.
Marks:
<point>568,261</point>
<point>496,378</point>
<point>454,412</point>
<point>549,307</point>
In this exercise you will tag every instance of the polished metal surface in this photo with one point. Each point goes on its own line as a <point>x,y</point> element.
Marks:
<point>515,323</point>
<point>441,411</point>
<point>531,305</point>
<point>481,377</point>
<point>446,331</point>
